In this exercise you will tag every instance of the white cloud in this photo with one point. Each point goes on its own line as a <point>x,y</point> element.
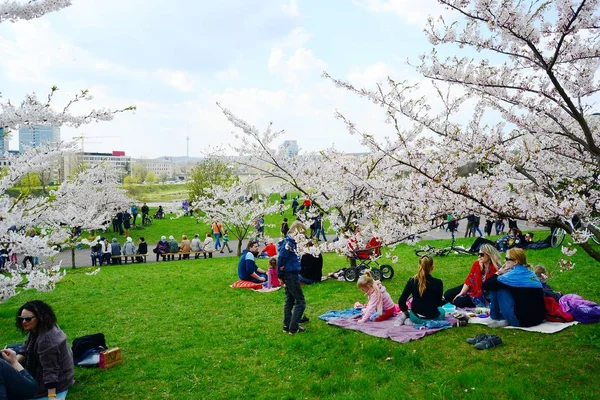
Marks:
<point>413,12</point>
<point>371,75</point>
<point>178,79</point>
<point>290,7</point>
<point>228,74</point>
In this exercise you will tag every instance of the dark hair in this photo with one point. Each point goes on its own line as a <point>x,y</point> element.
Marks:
<point>251,243</point>
<point>142,238</point>
<point>46,319</point>
<point>285,220</point>
<point>530,234</point>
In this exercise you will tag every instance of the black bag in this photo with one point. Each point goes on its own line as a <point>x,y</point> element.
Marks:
<point>83,345</point>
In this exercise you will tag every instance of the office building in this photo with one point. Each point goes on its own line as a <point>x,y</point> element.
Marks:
<point>37,135</point>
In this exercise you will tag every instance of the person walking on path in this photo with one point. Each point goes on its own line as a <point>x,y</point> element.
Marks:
<point>226,242</point>
<point>217,227</point>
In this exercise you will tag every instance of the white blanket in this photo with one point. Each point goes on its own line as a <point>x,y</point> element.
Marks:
<point>544,327</point>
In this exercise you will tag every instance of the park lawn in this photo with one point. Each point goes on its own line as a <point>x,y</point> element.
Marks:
<point>186,335</point>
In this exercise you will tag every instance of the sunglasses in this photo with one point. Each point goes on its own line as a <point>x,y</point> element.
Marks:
<point>480,254</point>
<point>26,319</point>
<point>508,259</point>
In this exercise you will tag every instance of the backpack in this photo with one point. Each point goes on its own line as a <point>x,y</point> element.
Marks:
<point>86,345</point>
<point>554,313</point>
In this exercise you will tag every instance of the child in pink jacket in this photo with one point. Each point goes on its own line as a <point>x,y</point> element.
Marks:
<point>380,306</point>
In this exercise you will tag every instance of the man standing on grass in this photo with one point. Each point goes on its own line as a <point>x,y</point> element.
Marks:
<point>145,211</point>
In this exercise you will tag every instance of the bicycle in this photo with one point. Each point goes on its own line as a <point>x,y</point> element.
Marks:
<point>429,250</point>
<point>557,235</point>
<point>146,220</point>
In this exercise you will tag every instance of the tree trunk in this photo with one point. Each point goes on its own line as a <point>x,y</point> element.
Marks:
<point>239,248</point>
<point>73,257</point>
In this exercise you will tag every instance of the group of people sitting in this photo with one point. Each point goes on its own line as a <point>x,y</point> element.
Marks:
<point>513,292</point>
<point>311,264</point>
<point>514,238</point>
<point>168,248</point>
<point>104,252</point>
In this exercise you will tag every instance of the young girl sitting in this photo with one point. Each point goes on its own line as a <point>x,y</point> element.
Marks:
<point>426,294</point>
<point>380,306</point>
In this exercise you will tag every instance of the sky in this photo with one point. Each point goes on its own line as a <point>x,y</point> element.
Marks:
<point>174,60</point>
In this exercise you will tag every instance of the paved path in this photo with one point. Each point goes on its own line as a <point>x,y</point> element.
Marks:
<point>82,256</point>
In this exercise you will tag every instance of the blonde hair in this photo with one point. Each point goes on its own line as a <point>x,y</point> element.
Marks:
<point>492,253</point>
<point>365,281</point>
<point>518,255</point>
<point>296,227</point>
<point>425,268</point>
<point>183,237</point>
<point>541,272</point>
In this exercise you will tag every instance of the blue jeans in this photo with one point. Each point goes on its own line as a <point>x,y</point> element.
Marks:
<point>476,229</point>
<point>251,279</point>
<point>305,280</point>
<point>294,300</point>
<point>321,232</point>
<point>217,241</point>
<point>502,306</point>
<point>19,385</point>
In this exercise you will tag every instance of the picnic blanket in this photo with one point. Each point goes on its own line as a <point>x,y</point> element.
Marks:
<point>544,327</point>
<point>383,329</point>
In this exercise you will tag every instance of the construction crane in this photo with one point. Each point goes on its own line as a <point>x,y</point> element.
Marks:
<point>85,138</point>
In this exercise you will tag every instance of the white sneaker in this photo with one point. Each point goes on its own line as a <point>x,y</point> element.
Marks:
<point>401,319</point>
<point>498,324</point>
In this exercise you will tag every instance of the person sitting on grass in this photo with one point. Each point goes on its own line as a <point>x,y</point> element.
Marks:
<point>269,251</point>
<point>162,248</point>
<point>470,293</point>
<point>426,292</point>
<point>516,293</point>
<point>247,268</point>
<point>380,306</point>
<point>15,381</point>
<point>311,265</point>
<point>46,353</point>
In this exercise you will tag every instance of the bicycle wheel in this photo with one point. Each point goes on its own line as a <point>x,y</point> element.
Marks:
<point>462,250</point>
<point>442,252</point>
<point>387,272</point>
<point>351,274</point>
<point>425,251</point>
<point>147,221</point>
<point>557,237</point>
<point>376,274</point>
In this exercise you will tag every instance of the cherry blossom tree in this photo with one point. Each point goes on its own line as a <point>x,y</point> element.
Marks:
<point>529,81</point>
<point>85,202</point>
<point>228,205</point>
<point>19,215</point>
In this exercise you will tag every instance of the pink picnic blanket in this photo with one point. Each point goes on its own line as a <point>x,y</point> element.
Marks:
<point>386,329</point>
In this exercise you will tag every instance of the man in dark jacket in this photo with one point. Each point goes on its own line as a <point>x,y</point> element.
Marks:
<point>247,268</point>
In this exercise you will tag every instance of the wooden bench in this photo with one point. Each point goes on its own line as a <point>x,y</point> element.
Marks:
<point>121,257</point>
<point>180,254</point>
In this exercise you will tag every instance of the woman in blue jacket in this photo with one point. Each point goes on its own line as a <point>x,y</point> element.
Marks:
<point>288,266</point>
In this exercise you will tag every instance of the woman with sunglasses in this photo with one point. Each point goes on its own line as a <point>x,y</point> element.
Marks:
<point>517,297</point>
<point>470,293</point>
<point>46,354</point>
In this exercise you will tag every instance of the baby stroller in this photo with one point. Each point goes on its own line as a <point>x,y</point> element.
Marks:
<point>366,257</point>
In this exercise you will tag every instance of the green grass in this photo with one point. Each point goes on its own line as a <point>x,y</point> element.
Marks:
<point>186,335</point>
